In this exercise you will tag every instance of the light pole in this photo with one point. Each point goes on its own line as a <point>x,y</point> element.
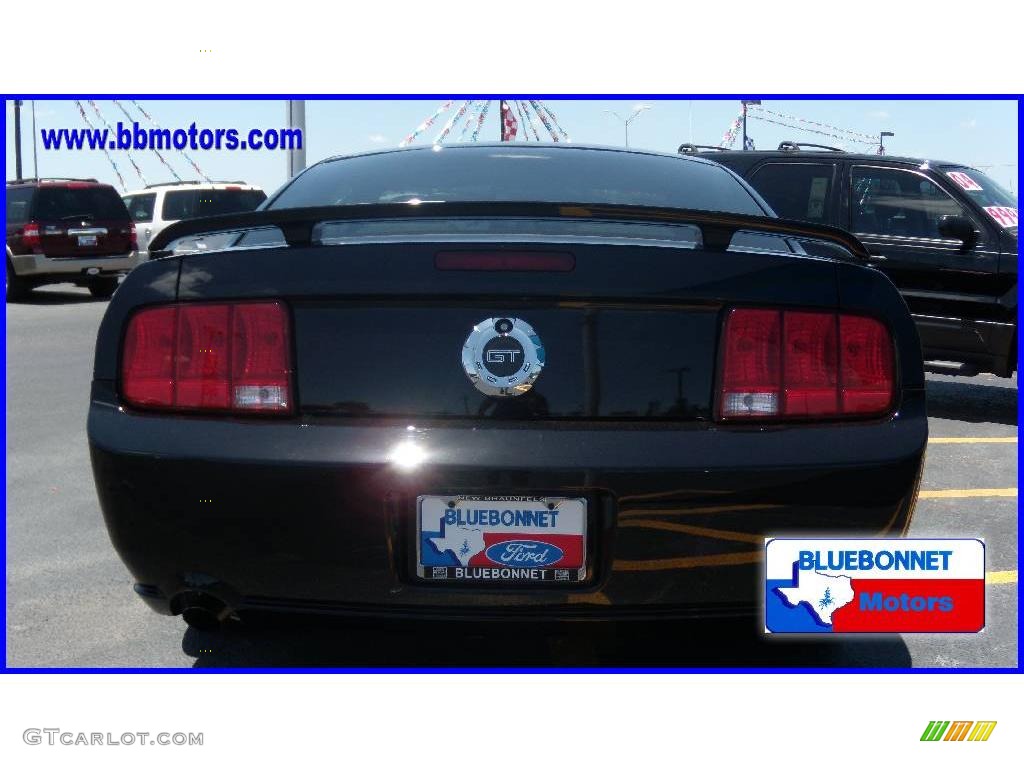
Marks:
<point>627,120</point>
<point>296,117</point>
<point>881,141</point>
<point>35,156</point>
<point>17,139</point>
<point>747,103</point>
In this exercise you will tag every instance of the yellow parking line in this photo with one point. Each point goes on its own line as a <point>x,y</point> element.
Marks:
<point>697,561</point>
<point>967,493</point>
<point>972,439</point>
<point>693,530</point>
<point>1001,577</point>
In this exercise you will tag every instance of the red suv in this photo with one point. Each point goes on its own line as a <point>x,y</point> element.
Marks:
<point>67,231</point>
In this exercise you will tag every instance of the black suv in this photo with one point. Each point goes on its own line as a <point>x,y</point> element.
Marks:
<point>67,231</point>
<point>944,233</point>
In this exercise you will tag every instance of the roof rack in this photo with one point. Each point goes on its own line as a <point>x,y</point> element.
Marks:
<point>35,180</point>
<point>796,146</point>
<point>176,183</point>
<point>693,149</point>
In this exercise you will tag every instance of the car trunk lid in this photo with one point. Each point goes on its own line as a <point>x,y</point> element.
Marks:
<point>629,333</point>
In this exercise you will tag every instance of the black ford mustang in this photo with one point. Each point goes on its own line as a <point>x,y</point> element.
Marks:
<point>499,381</point>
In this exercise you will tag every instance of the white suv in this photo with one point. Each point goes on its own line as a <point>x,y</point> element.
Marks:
<point>160,205</point>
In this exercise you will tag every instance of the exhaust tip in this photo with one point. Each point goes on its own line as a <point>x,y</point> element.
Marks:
<point>203,611</point>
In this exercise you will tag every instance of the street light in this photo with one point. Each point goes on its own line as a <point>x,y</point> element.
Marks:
<point>627,120</point>
<point>881,141</point>
<point>747,103</point>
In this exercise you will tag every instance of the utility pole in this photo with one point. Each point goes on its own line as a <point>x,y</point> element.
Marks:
<point>17,139</point>
<point>35,135</point>
<point>747,103</point>
<point>296,117</point>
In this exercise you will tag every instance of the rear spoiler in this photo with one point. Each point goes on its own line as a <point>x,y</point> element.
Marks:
<point>297,224</point>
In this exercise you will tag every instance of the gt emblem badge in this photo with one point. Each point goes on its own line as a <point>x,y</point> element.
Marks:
<point>503,356</point>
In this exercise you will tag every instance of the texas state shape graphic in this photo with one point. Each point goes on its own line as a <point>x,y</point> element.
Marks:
<point>823,594</point>
<point>462,542</point>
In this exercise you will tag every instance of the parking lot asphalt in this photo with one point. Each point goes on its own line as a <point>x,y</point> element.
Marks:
<point>70,604</point>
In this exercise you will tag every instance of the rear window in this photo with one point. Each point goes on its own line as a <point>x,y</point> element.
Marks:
<point>58,203</point>
<point>140,207</point>
<point>192,203</point>
<point>520,174</point>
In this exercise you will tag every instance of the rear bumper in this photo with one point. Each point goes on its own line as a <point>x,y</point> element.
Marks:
<point>311,516</point>
<point>39,266</point>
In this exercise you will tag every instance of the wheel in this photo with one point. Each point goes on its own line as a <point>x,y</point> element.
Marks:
<point>103,287</point>
<point>16,287</point>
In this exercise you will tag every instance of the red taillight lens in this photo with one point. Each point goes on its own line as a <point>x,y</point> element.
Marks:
<point>809,355</point>
<point>30,235</point>
<point>795,364</point>
<point>147,367</point>
<point>261,358</point>
<point>220,357</point>
<point>201,376</point>
<point>134,238</point>
<point>751,367</point>
<point>866,362</point>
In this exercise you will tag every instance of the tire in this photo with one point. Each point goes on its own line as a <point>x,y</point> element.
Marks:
<point>103,287</point>
<point>16,287</point>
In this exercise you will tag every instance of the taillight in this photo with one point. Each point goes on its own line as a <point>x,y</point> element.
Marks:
<point>134,238</point>
<point>779,364</point>
<point>30,235</point>
<point>209,357</point>
<point>866,365</point>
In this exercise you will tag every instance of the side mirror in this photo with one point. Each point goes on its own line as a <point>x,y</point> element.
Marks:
<point>958,228</point>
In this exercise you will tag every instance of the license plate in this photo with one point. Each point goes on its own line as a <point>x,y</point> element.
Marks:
<point>511,539</point>
<point>86,240</point>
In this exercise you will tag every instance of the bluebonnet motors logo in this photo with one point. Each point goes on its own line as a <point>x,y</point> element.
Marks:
<point>874,585</point>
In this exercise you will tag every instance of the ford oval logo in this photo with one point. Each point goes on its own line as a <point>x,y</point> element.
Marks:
<point>523,552</point>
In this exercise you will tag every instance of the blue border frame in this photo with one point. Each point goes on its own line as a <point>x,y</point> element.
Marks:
<point>1019,98</point>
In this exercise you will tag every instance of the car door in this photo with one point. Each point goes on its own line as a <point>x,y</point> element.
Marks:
<point>895,211</point>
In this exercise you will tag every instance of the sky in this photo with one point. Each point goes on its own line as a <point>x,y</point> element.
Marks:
<point>974,132</point>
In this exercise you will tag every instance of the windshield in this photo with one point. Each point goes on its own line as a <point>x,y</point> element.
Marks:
<point>520,174</point>
<point>997,202</point>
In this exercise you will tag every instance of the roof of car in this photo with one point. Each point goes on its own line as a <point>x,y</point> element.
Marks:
<point>518,147</point>
<point>55,182</point>
<point>179,185</point>
<point>755,155</point>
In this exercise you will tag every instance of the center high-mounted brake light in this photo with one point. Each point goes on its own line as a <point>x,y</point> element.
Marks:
<point>779,364</point>
<point>209,357</point>
<point>505,261</point>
